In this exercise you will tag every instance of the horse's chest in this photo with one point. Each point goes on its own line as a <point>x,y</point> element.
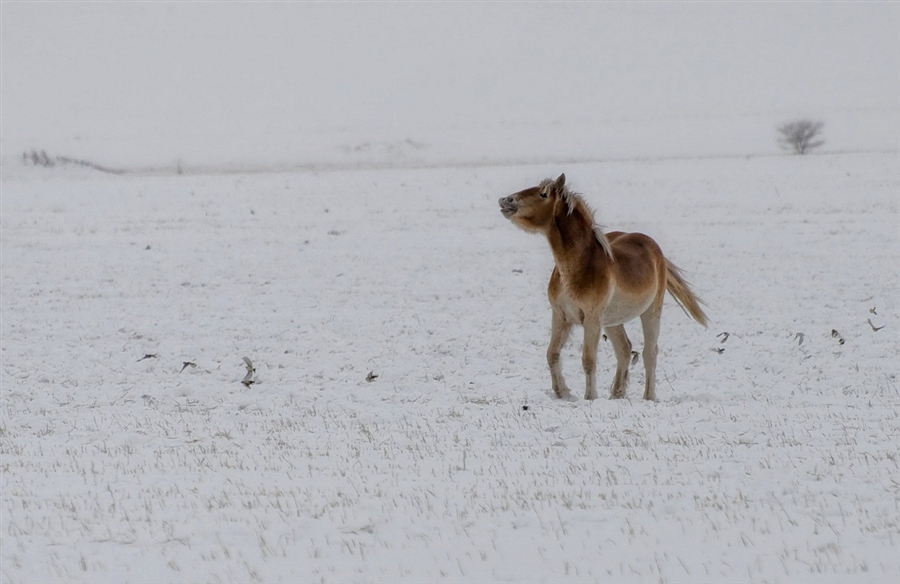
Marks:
<point>570,308</point>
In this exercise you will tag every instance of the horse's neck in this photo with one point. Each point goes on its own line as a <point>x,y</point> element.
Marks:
<point>572,238</point>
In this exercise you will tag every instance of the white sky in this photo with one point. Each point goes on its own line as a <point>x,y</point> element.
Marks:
<point>245,72</point>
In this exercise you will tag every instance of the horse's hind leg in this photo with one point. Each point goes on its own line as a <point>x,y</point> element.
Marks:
<point>559,333</point>
<point>622,347</point>
<point>650,324</point>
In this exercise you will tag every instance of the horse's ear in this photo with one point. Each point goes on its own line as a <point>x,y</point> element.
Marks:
<point>560,182</point>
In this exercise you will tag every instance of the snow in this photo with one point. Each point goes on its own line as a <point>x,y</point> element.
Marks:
<point>772,461</point>
<point>325,252</point>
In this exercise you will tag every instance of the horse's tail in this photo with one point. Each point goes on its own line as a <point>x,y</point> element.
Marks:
<point>681,291</point>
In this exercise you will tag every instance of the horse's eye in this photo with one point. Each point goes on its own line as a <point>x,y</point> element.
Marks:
<point>543,195</point>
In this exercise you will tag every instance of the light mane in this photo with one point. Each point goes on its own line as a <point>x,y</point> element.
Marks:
<point>573,200</point>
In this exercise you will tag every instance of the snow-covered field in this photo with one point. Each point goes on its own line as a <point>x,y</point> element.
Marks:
<point>314,187</point>
<point>765,459</point>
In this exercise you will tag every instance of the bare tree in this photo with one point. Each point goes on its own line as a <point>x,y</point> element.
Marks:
<point>800,135</point>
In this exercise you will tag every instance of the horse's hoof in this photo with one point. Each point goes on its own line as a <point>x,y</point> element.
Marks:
<point>563,392</point>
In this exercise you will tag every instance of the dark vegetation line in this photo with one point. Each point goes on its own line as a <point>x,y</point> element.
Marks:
<point>41,158</point>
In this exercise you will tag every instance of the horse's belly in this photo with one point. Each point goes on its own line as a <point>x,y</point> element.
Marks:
<point>624,307</point>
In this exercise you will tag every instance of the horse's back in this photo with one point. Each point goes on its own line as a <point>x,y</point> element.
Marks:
<point>639,261</point>
<point>625,239</point>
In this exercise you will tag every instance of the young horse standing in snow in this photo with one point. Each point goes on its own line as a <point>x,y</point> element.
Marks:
<point>600,281</point>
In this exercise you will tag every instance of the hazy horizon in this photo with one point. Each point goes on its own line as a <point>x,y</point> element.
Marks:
<point>245,80</point>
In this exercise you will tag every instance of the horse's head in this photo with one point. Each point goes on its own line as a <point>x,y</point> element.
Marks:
<point>533,209</point>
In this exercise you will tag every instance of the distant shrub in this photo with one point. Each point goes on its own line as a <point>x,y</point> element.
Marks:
<point>41,158</point>
<point>800,135</point>
<point>38,158</point>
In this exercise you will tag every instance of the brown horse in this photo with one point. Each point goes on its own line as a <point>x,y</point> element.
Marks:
<point>600,281</point>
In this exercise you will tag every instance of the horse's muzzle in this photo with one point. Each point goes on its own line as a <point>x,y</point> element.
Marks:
<point>508,207</point>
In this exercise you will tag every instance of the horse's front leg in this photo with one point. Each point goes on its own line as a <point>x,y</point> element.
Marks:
<point>589,355</point>
<point>622,347</point>
<point>559,333</point>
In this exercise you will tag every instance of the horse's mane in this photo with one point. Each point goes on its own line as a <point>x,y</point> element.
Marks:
<point>575,202</point>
